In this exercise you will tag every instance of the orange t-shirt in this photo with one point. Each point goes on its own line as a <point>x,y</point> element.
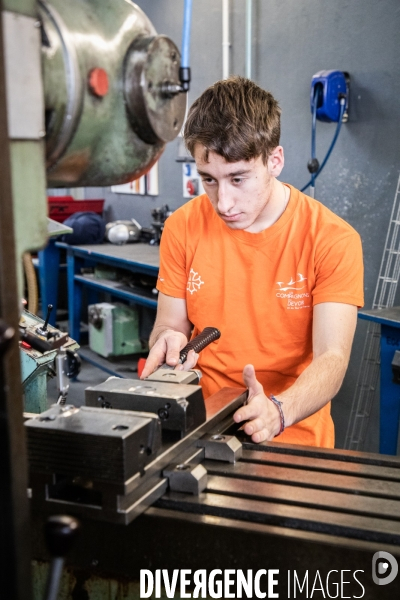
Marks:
<point>259,289</point>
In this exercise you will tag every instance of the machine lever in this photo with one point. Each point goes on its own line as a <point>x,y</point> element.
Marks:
<point>43,330</point>
<point>60,532</point>
<point>49,309</point>
<point>201,341</point>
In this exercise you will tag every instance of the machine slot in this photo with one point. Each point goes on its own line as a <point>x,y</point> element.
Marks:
<point>299,477</point>
<point>311,463</point>
<point>335,501</point>
<point>281,515</point>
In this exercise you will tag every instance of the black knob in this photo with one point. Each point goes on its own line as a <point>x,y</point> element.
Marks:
<point>60,532</point>
<point>74,364</point>
<point>313,165</point>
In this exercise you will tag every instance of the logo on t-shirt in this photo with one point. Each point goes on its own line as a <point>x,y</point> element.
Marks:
<point>194,282</point>
<point>292,292</point>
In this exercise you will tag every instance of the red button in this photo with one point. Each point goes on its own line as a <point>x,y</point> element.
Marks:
<point>98,82</point>
<point>26,345</point>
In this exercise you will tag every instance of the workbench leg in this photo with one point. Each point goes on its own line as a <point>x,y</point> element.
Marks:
<point>49,268</point>
<point>74,297</point>
<point>389,393</point>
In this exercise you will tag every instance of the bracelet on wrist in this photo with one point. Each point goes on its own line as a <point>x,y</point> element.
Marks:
<point>278,405</point>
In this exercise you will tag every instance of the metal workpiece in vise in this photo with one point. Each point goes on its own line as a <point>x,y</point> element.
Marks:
<point>110,86</point>
<point>179,406</point>
<point>171,394</point>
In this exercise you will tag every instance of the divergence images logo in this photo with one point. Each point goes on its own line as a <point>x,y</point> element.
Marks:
<point>381,561</point>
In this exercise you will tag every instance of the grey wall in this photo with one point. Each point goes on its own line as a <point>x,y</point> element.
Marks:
<point>292,41</point>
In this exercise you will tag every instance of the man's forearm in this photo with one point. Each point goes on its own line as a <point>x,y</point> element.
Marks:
<point>316,386</point>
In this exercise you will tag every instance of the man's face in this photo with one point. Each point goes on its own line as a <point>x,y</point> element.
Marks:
<point>242,193</point>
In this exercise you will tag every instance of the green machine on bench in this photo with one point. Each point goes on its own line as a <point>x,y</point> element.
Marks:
<point>114,329</point>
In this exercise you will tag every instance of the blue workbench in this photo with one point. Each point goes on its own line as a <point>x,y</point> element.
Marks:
<point>137,258</point>
<point>389,320</point>
<point>49,267</point>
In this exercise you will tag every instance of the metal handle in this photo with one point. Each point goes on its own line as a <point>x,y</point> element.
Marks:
<point>208,335</point>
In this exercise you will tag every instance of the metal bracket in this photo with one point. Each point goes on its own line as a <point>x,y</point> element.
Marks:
<point>186,477</point>
<point>226,448</point>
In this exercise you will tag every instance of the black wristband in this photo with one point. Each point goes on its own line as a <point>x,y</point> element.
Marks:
<point>278,405</point>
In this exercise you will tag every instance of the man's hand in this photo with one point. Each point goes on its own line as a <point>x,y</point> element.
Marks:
<point>166,350</point>
<point>170,334</point>
<point>333,330</point>
<point>262,416</point>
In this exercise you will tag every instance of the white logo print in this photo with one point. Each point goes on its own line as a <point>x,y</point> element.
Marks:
<point>291,283</point>
<point>194,282</point>
<point>295,300</point>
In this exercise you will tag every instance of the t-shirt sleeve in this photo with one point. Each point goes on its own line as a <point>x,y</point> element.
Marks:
<point>172,277</point>
<point>340,272</point>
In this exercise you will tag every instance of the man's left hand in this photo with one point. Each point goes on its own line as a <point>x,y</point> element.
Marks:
<point>262,416</point>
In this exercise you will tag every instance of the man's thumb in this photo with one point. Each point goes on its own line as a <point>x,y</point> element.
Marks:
<point>250,381</point>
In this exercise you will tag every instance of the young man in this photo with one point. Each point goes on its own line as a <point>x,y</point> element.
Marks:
<point>278,273</point>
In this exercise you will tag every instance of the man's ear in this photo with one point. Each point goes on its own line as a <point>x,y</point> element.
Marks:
<point>276,161</point>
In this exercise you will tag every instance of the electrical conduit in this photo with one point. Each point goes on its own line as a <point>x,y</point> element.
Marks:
<point>184,71</point>
<point>249,20</point>
<point>225,39</point>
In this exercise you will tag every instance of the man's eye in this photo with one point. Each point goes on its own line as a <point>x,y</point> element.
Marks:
<point>207,180</point>
<point>237,180</point>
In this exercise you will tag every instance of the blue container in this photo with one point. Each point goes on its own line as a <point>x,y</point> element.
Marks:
<point>332,85</point>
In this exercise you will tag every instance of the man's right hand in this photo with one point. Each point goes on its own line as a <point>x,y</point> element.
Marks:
<point>166,350</point>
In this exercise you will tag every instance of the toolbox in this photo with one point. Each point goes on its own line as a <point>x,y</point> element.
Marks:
<point>62,207</point>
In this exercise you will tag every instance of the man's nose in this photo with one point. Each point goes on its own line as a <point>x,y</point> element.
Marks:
<point>225,199</point>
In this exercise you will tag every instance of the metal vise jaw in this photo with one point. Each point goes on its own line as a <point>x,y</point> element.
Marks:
<point>108,446</point>
<point>88,459</point>
<point>179,406</point>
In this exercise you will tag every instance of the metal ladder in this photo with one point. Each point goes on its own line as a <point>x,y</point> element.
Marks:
<point>368,375</point>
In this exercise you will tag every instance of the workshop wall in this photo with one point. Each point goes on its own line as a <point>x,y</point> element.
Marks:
<point>292,41</point>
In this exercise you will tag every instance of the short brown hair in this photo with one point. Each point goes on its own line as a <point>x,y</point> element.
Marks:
<point>236,119</point>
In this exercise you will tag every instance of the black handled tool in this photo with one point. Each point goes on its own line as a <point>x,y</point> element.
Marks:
<point>208,335</point>
<point>60,533</point>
